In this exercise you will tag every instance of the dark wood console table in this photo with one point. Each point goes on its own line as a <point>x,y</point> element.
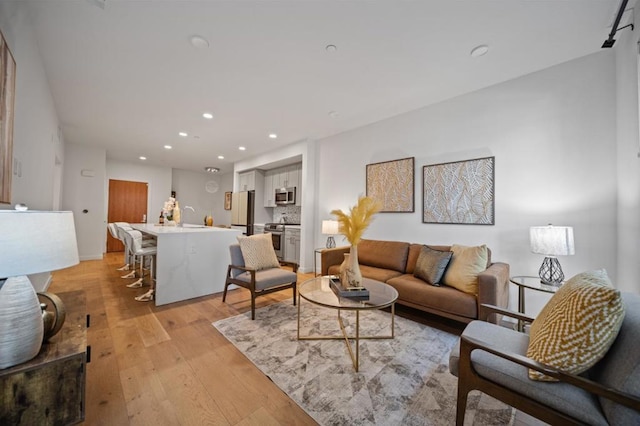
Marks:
<point>50,388</point>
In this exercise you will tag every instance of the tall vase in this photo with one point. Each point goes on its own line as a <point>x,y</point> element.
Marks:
<point>350,275</point>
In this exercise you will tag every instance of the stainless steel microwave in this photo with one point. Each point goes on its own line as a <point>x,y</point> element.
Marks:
<point>285,196</point>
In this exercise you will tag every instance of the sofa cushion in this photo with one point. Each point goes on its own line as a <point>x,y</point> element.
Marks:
<point>258,252</point>
<point>414,252</point>
<point>620,368</point>
<point>466,264</point>
<point>378,274</point>
<point>383,254</point>
<point>445,299</point>
<point>577,326</point>
<point>431,265</point>
<point>576,402</point>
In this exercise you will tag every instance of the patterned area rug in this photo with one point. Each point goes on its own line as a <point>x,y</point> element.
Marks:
<point>403,381</point>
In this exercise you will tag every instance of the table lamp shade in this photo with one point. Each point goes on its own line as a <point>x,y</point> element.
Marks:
<point>36,241</point>
<point>30,242</point>
<point>552,240</point>
<point>330,227</point>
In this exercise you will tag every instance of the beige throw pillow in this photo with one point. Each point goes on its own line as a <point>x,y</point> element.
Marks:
<point>257,251</point>
<point>577,326</point>
<point>431,265</point>
<point>464,267</point>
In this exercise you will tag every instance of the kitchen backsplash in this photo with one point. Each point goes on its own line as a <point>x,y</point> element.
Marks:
<point>291,213</point>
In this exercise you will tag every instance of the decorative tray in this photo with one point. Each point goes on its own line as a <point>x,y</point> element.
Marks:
<point>360,293</point>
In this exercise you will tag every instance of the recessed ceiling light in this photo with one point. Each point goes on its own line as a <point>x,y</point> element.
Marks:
<point>478,51</point>
<point>333,114</point>
<point>168,147</point>
<point>199,42</point>
<point>220,157</point>
<point>273,136</point>
<point>207,115</point>
<point>183,134</point>
<point>211,169</point>
<point>330,48</point>
<point>143,158</point>
<point>242,148</point>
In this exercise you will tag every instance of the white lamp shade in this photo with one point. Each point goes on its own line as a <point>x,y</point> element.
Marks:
<point>330,227</point>
<point>36,241</point>
<point>552,240</point>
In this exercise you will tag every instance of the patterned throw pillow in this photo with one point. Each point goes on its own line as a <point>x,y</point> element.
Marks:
<point>257,251</point>
<point>577,326</point>
<point>431,264</point>
<point>466,264</point>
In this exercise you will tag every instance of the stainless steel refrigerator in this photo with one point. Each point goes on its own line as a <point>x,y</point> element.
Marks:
<point>242,211</point>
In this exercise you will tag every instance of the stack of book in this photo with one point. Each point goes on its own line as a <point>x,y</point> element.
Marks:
<point>360,293</point>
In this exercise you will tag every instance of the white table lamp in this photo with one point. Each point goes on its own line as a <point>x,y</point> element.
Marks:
<point>330,227</point>
<point>30,242</point>
<point>551,241</point>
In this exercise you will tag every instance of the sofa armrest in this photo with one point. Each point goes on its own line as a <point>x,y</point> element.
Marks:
<point>493,289</point>
<point>332,256</point>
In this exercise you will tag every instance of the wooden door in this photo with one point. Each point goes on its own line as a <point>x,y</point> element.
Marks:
<point>127,203</point>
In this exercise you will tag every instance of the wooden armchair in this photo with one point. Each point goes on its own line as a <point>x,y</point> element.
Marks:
<point>492,359</point>
<point>259,282</point>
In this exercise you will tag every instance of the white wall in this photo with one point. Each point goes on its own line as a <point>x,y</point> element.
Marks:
<point>190,191</point>
<point>628,157</point>
<point>86,193</point>
<point>158,178</point>
<point>36,141</point>
<point>553,136</point>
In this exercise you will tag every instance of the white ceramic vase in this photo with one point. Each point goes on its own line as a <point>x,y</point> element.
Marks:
<point>21,326</point>
<point>350,275</point>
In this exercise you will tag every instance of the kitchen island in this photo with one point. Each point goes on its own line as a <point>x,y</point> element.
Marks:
<point>192,260</point>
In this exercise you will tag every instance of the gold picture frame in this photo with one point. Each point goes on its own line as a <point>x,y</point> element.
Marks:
<point>392,184</point>
<point>460,192</point>
<point>7,100</point>
<point>227,200</point>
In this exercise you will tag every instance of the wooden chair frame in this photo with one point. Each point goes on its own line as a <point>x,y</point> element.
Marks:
<point>251,284</point>
<point>469,379</point>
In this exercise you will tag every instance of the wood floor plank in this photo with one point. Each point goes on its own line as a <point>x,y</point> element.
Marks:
<point>168,365</point>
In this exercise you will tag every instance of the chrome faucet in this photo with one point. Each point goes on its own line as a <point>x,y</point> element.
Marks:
<point>187,208</point>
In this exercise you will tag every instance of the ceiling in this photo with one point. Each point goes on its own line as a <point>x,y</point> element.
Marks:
<point>125,76</point>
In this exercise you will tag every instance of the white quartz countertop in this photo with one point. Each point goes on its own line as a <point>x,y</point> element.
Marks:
<point>183,229</point>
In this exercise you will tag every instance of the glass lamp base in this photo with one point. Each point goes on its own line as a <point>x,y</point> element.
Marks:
<point>550,272</point>
<point>331,243</point>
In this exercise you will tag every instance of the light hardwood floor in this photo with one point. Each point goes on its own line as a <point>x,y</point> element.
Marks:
<point>168,365</point>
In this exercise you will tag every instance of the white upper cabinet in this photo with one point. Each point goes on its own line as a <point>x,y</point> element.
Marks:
<point>247,181</point>
<point>283,177</point>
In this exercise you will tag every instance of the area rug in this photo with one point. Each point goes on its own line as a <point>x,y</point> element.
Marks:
<point>402,381</point>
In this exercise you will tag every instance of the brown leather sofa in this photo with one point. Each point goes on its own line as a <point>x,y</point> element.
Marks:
<point>393,262</point>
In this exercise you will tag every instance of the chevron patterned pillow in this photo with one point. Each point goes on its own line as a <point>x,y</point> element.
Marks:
<point>578,325</point>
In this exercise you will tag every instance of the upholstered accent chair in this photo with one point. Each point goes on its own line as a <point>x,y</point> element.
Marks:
<point>258,282</point>
<point>492,359</point>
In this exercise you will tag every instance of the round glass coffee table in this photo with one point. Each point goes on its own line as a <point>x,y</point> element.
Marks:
<point>318,291</point>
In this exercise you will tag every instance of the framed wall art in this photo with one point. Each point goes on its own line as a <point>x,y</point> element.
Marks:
<point>227,200</point>
<point>460,192</point>
<point>391,183</point>
<point>7,96</point>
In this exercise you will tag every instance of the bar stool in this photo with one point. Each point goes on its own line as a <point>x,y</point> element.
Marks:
<point>121,228</point>
<point>113,230</point>
<point>138,252</point>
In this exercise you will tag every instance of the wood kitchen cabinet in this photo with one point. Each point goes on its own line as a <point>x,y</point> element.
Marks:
<point>50,388</point>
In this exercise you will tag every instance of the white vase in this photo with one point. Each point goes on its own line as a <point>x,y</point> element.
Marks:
<point>21,326</point>
<point>350,275</point>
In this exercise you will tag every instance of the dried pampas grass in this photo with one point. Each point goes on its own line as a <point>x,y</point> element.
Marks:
<point>353,225</point>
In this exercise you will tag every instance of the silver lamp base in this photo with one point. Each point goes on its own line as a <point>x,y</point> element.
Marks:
<point>550,272</point>
<point>331,243</point>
